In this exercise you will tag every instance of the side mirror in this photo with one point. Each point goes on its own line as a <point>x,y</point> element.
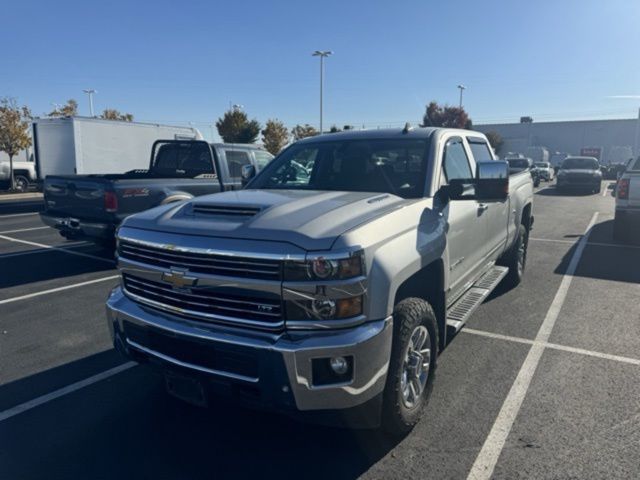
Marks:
<point>492,180</point>
<point>247,173</point>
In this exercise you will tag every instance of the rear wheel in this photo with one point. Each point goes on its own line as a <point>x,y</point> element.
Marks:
<point>20,183</point>
<point>516,258</point>
<point>412,365</point>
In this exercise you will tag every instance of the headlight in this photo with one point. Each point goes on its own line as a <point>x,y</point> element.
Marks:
<point>313,299</point>
<point>325,268</point>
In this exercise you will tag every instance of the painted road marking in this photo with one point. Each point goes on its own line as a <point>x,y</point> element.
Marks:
<point>494,443</point>
<point>23,230</point>
<point>42,245</point>
<point>23,407</point>
<point>554,346</point>
<point>58,289</point>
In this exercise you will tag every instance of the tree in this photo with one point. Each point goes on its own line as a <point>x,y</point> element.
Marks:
<point>113,114</point>
<point>235,127</point>
<point>70,109</point>
<point>14,131</point>
<point>275,136</point>
<point>334,129</point>
<point>303,131</point>
<point>496,140</point>
<point>445,116</point>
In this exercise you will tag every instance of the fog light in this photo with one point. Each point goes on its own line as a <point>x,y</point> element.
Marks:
<point>339,365</point>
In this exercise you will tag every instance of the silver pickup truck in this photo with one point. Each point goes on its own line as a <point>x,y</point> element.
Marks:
<point>332,281</point>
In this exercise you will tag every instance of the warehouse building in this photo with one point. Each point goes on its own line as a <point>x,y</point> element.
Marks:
<point>611,141</point>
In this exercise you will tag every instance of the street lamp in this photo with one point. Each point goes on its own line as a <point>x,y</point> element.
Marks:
<point>322,54</point>
<point>90,92</point>
<point>462,89</point>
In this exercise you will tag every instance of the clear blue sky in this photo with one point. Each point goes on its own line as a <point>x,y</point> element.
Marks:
<point>171,61</point>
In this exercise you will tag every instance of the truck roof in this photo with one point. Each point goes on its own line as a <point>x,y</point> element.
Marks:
<point>385,133</point>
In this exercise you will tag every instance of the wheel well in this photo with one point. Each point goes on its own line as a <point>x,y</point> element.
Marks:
<point>24,173</point>
<point>428,284</point>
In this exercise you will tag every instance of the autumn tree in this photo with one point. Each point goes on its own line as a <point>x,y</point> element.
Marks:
<point>275,136</point>
<point>235,127</point>
<point>14,131</point>
<point>303,131</point>
<point>113,114</point>
<point>445,116</point>
<point>496,140</point>
<point>69,109</point>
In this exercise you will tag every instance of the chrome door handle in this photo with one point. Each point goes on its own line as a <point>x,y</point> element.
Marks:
<point>482,207</point>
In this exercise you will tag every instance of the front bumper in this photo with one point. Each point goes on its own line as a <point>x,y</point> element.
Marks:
<point>276,368</point>
<point>578,182</point>
<point>78,226</point>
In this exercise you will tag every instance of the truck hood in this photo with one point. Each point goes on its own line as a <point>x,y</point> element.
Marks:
<point>311,220</point>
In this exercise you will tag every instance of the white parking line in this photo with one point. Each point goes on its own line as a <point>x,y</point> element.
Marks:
<point>18,215</point>
<point>554,346</point>
<point>596,244</point>
<point>23,230</point>
<point>42,245</point>
<point>494,443</point>
<point>23,407</point>
<point>58,289</point>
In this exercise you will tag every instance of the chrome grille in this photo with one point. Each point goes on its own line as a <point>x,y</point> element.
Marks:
<point>211,305</point>
<point>223,265</point>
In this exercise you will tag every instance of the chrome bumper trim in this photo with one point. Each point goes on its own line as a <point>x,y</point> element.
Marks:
<point>369,344</point>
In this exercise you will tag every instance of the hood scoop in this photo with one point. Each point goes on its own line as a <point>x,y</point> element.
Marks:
<point>225,210</point>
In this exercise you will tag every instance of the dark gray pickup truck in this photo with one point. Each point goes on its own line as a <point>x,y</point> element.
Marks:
<point>92,206</point>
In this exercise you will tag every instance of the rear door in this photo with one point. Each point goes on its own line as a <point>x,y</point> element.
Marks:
<point>496,213</point>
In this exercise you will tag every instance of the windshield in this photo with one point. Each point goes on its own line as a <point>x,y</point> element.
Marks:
<point>577,163</point>
<point>542,165</point>
<point>390,166</point>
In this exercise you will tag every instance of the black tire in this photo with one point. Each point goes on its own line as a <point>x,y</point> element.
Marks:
<point>516,259</point>
<point>69,235</point>
<point>399,415</point>
<point>20,183</point>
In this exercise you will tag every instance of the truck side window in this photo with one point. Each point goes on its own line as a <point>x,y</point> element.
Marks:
<point>235,160</point>
<point>480,150</point>
<point>456,163</point>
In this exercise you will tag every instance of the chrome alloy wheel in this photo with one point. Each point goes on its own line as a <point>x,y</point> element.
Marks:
<point>415,368</point>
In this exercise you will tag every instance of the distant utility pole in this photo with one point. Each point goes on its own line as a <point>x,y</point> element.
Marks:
<point>635,143</point>
<point>90,92</point>
<point>322,54</point>
<point>462,89</point>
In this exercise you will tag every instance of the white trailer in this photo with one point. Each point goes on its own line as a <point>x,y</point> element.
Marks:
<point>84,145</point>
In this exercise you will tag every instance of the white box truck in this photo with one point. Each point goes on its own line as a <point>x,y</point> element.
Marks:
<point>84,145</point>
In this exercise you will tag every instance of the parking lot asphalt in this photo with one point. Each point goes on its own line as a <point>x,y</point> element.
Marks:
<point>543,382</point>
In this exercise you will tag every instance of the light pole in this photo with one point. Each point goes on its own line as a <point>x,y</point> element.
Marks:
<point>636,154</point>
<point>90,92</point>
<point>322,54</point>
<point>462,89</point>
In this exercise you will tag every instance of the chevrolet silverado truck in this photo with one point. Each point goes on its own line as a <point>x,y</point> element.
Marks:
<point>329,292</point>
<point>92,206</point>
<point>626,223</point>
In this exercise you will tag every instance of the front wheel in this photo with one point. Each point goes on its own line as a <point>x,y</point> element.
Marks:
<point>21,183</point>
<point>411,367</point>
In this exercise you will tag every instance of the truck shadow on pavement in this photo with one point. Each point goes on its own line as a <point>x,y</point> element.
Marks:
<point>603,258</point>
<point>24,206</point>
<point>36,265</point>
<point>128,427</point>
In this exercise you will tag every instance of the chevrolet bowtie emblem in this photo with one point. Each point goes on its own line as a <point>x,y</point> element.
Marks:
<point>179,279</point>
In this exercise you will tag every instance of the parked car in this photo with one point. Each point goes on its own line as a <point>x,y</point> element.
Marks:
<point>580,173</point>
<point>520,164</point>
<point>545,171</point>
<point>626,224</point>
<point>92,206</point>
<point>24,175</point>
<point>331,291</point>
